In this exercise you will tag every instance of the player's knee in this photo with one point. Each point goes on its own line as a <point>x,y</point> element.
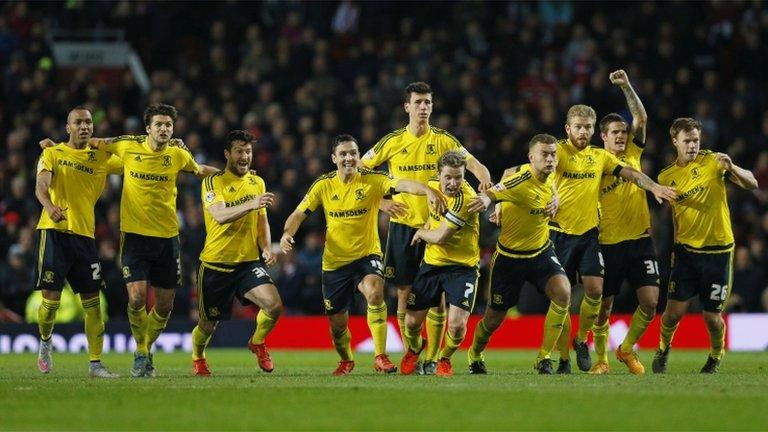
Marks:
<point>163,309</point>
<point>713,321</point>
<point>208,326</point>
<point>137,302</point>
<point>457,330</point>
<point>649,306</point>
<point>275,309</point>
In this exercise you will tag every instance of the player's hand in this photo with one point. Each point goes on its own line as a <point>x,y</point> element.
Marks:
<point>479,203</point>
<point>484,186</point>
<point>663,193</point>
<point>269,258</point>
<point>552,206</point>
<point>417,237</point>
<point>56,213</point>
<point>724,160</point>
<point>264,200</point>
<point>619,78</point>
<point>495,217</point>
<point>46,142</point>
<point>436,201</point>
<point>287,242</point>
<point>393,208</point>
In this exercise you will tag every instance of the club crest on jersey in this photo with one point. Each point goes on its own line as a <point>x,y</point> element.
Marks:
<point>431,149</point>
<point>210,196</point>
<point>252,181</point>
<point>48,277</point>
<point>91,156</point>
<point>695,173</point>
<point>166,161</point>
<point>359,194</point>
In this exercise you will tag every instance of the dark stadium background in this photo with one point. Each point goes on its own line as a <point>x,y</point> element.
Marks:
<point>297,73</point>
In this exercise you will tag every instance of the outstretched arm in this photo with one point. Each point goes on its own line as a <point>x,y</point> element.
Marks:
<point>223,214</point>
<point>206,170</point>
<point>439,235</point>
<point>639,116</point>
<point>436,199</point>
<point>645,182</point>
<point>481,173</point>
<point>738,175</point>
<point>292,225</point>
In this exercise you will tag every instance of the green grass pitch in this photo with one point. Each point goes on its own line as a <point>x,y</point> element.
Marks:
<point>302,395</point>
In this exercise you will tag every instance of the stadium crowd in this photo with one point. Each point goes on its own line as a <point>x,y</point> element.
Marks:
<point>295,74</point>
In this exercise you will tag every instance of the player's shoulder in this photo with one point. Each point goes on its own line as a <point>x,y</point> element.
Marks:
<point>668,170</point>
<point>254,178</point>
<point>521,176</point>
<point>129,139</point>
<point>323,179</point>
<point>388,139</point>
<point>444,134</point>
<point>213,180</point>
<point>705,155</point>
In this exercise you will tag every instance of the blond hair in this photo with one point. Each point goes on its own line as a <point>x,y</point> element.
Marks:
<point>585,111</point>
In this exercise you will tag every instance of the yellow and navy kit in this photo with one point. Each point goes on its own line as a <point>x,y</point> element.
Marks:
<point>236,241</point>
<point>700,213</point>
<point>524,224</point>
<point>148,203</point>
<point>578,177</point>
<point>623,205</point>
<point>351,214</point>
<point>76,183</point>
<point>413,158</point>
<point>463,247</point>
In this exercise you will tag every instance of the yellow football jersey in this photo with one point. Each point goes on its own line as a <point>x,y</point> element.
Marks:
<point>413,158</point>
<point>463,248</point>
<point>237,241</point>
<point>524,224</point>
<point>76,183</point>
<point>578,178</point>
<point>700,213</point>
<point>351,214</point>
<point>148,203</point>
<point>623,205</point>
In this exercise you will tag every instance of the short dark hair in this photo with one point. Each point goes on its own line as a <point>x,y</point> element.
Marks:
<point>684,124</point>
<point>416,87</point>
<point>611,118</point>
<point>541,138</point>
<point>159,109</point>
<point>77,108</point>
<point>338,139</point>
<point>238,135</point>
<point>453,159</point>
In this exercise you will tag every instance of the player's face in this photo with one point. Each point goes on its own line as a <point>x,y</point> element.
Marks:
<point>615,137</point>
<point>160,129</point>
<point>419,108</point>
<point>688,144</point>
<point>543,157</point>
<point>80,126</point>
<point>451,179</point>
<point>346,157</point>
<point>580,131</point>
<point>239,157</point>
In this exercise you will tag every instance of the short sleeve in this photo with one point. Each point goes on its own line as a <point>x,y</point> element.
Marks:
<point>378,154</point>
<point>384,184</point>
<point>114,165</point>
<point>450,142</point>
<point>506,189</point>
<point>188,163</point>
<point>312,199</point>
<point>458,214</point>
<point>209,194</point>
<point>612,165</point>
<point>118,145</point>
<point>46,162</point>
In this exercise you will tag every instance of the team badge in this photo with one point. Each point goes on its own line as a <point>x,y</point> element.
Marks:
<point>369,154</point>
<point>91,156</point>
<point>166,161</point>
<point>411,299</point>
<point>126,272</point>
<point>497,299</point>
<point>213,312</point>
<point>327,304</point>
<point>210,196</point>
<point>389,272</point>
<point>360,194</point>
<point>48,277</point>
<point>695,173</point>
<point>252,181</point>
<point>431,149</point>
<point>499,187</point>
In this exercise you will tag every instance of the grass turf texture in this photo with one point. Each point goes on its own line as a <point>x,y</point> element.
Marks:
<point>302,395</point>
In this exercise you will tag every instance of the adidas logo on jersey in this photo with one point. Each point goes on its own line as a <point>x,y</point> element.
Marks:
<point>405,151</point>
<point>673,183</point>
<point>231,189</point>
<point>335,198</point>
<point>137,158</point>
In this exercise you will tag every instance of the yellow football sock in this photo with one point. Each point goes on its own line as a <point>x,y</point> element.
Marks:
<point>666,335</point>
<point>200,340</point>
<point>377,323</point>
<point>637,328</point>
<point>564,341</point>
<point>435,331</point>
<point>94,327</point>
<point>588,311</point>
<point>401,326</point>
<point>343,344</point>
<point>46,314</point>
<point>414,339</point>
<point>451,345</point>
<point>717,341</point>
<point>479,341</point>
<point>155,325</point>
<point>264,325</point>
<point>600,336</point>
<point>139,320</point>
<point>553,326</point>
